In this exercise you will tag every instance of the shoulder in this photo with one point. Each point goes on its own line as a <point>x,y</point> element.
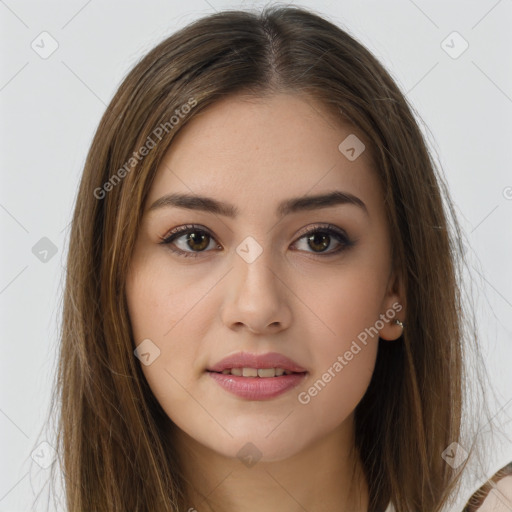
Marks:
<point>495,495</point>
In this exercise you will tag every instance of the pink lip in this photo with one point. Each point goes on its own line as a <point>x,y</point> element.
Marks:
<point>247,360</point>
<point>257,388</point>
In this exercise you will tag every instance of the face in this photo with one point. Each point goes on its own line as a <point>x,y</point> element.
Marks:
<point>307,287</point>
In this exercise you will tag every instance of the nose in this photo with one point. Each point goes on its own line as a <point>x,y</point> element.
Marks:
<point>257,296</point>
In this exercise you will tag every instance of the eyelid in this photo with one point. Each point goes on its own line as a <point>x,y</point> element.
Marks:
<point>183,229</point>
<point>322,227</point>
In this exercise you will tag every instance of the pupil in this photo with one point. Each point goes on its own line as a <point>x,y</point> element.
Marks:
<point>323,244</point>
<point>193,237</point>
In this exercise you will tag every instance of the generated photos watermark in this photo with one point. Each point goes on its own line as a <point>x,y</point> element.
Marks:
<point>305,397</point>
<point>137,156</point>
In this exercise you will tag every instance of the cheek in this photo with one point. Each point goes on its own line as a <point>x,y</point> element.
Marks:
<point>344,355</point>
<point>342,305</point>
<point>161,300</point>
<point>172,311</point>
<point>345,341</point>
<point>332,396</point>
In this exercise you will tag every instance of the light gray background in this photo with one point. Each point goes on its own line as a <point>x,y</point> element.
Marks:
<point>51,107</point>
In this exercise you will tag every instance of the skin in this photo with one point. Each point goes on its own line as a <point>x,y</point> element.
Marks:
<point>293,299</point>
<point>499,498</point>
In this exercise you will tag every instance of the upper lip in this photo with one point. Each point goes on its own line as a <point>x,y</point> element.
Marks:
<point>248,360</point>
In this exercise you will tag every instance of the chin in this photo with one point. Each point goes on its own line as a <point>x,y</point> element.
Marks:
<point>257,445</point>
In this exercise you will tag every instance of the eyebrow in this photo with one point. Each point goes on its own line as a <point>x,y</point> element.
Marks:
<point>293,205</point>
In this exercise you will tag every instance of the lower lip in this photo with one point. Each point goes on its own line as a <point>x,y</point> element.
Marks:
<point>258,388</point>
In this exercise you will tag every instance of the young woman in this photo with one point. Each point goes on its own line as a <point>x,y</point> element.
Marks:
<point>262,308</point>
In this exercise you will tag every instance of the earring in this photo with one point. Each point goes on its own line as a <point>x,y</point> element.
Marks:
<point>401,324</point>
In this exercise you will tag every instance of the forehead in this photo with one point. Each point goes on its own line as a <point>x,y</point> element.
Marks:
<point>257,151</point>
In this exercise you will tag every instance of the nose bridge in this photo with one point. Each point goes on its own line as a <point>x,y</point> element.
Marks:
<point>255,295</point>
<point>255,268</point>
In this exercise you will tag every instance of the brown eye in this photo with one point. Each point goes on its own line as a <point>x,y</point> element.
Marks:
<point>197,241</point>
<point>319,239</point>
<point>188,240</point>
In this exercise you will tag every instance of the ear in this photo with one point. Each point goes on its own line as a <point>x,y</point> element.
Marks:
<point>393,308</point>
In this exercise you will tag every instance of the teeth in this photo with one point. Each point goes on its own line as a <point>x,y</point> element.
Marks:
<point>256,372</point>
<point>249,372</point>
<point>267,372</point>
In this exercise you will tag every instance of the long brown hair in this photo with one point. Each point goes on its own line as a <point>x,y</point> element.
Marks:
<point>112,433</point>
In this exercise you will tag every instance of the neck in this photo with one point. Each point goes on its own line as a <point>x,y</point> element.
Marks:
<point>325,476</point>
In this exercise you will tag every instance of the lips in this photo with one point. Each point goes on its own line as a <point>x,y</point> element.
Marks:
<point>257,377</point>
<point>245,360</point>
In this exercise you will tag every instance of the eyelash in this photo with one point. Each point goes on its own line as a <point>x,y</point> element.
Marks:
<point>329,229</point>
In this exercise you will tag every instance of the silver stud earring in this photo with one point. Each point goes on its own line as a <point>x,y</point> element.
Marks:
<point>401,324</point>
